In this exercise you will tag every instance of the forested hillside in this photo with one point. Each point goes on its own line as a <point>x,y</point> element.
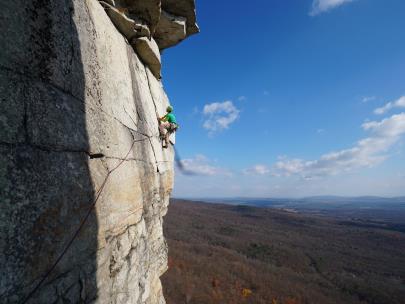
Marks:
<point>240,254</point>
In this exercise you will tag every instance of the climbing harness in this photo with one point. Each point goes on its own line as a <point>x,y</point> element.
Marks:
<point>173,127</point>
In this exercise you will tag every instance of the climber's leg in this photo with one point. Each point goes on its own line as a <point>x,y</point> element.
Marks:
<point>164,125</point>
<point>166,139</point>
<point>164,132</point>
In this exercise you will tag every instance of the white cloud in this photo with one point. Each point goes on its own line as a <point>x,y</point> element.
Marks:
<point>321,6</point>
<point>289,167</point>
<point>399,103</point>
<point>366,99</point>
<point>201,165</point>
<point>257,170</point>
<point>219,116</point>
<point>367,152</point>
<point>320,131</point>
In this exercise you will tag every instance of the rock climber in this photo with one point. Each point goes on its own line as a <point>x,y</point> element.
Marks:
<point>167,126</point>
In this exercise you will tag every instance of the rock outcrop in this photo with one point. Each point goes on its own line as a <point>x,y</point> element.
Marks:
<point>80,91</point>
<point>167,21</point>
<point>171,30</point>
<point>148,51</point>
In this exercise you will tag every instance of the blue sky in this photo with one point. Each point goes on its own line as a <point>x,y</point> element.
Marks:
<point>291,98</point>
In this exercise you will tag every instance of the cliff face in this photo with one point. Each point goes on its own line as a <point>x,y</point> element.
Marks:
<point>80,91</point>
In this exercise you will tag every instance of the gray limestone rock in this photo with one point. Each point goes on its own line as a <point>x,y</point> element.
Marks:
<point>130,28</point>
<point>78,136</point>
<point>149,53</point>
<point>147,10</point>
<point>136,19</point>
<point>184,8</point>
<point>170,30</point>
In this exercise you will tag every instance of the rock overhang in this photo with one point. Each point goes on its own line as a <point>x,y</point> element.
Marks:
<point>164,23</point>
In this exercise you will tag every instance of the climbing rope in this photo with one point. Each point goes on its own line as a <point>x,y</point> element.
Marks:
<point>84,220</point>
<point>98,193</point>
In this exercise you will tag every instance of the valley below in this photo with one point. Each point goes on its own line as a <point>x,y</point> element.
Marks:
<point>234,253</point>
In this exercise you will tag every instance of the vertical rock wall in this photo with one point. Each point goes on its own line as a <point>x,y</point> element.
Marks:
<point>78,105</point>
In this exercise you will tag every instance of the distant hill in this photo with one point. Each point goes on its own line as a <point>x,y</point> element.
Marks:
<point>320,203</point>
<point>222,253</point>
<point>360,199</point>
<point>326,198</point>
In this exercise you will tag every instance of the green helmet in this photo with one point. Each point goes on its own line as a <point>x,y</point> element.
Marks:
<point>169,109</point>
